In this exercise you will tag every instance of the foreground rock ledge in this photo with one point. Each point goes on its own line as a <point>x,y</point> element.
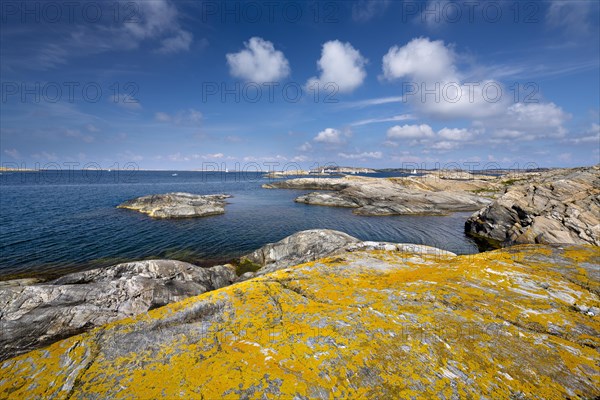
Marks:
<point>178,205</point>
<point>32,316</point>
<point>515,323</point>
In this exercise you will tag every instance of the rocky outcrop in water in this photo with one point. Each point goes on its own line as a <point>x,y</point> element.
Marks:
<point>519,323</point>
<point>36,315</point>
<point>396,196</point>
<point>178,205</point>
<point>558,206</point>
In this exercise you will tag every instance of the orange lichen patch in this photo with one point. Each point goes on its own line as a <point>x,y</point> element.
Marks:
<point>581,254</point>
<point>370,324</point>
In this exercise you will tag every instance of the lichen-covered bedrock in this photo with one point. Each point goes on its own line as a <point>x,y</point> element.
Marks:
<point>519,323</point>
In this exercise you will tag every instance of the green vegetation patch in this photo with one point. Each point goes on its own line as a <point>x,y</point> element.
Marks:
<point>245,265</point>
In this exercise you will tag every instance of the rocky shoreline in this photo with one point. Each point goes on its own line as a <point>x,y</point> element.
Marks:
<point>558,206</point>
<point>34,314</point>
<point>553,206</point>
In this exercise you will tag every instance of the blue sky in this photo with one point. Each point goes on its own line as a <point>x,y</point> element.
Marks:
<point>178,85</point>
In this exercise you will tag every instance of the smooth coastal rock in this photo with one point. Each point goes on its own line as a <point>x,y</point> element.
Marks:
<point>313,244</point>
<point>298,248</point>
<point>517,323</point>
<point>429,195</point>
<point>178,205</point>
<point>36,315</point>
<point>558,206</point>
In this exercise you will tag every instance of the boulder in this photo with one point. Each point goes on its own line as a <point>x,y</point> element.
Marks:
<point>35,315</point>
<point>298,248</point>
<point>178,205</point>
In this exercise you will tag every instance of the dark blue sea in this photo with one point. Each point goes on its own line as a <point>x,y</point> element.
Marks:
<point>53,222</point>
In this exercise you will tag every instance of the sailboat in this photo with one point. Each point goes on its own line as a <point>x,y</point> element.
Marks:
<point>414,172</point>
<point>226,170</point>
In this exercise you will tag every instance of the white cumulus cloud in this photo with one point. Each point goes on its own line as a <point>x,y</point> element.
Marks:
<point>422,131</point>
<point>331,136</point>
<point>342,65</point>
<point>455,134</point>
<point>422,59</point>
<point>259,62</point>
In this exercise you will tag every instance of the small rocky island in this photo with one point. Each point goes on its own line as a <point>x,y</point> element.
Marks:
<point>178,205</point>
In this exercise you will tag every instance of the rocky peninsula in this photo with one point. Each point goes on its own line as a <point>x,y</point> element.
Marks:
<point>551,206</point>
<point>557,206</point>
<point>391,196</point>
<point>178,205</point>
<point>521,322</point>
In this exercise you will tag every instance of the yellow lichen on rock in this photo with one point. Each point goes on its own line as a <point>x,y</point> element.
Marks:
<point>367,324</point>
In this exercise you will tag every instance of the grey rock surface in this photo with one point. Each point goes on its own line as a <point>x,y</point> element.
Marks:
<point>178,205</point>
<point>314,244</point>
<point>382,196</point>
<point>417,249</point>
<point>299,248</point>
<point>36,315</point>
<point>558,206</point>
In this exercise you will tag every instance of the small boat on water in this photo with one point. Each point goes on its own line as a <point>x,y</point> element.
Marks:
<point>414,172</point>
<point>173,174</point>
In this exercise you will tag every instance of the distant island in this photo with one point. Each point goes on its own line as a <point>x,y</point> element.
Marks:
<point>323,171</point>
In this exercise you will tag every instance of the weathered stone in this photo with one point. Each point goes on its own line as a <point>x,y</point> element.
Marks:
<point>428,195</point>
<point>403,247</point>
<point>36,315</point>
<point>178,205</point>
<point>558,206</point>
<point>364,324</point>
<point>298,248</point>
